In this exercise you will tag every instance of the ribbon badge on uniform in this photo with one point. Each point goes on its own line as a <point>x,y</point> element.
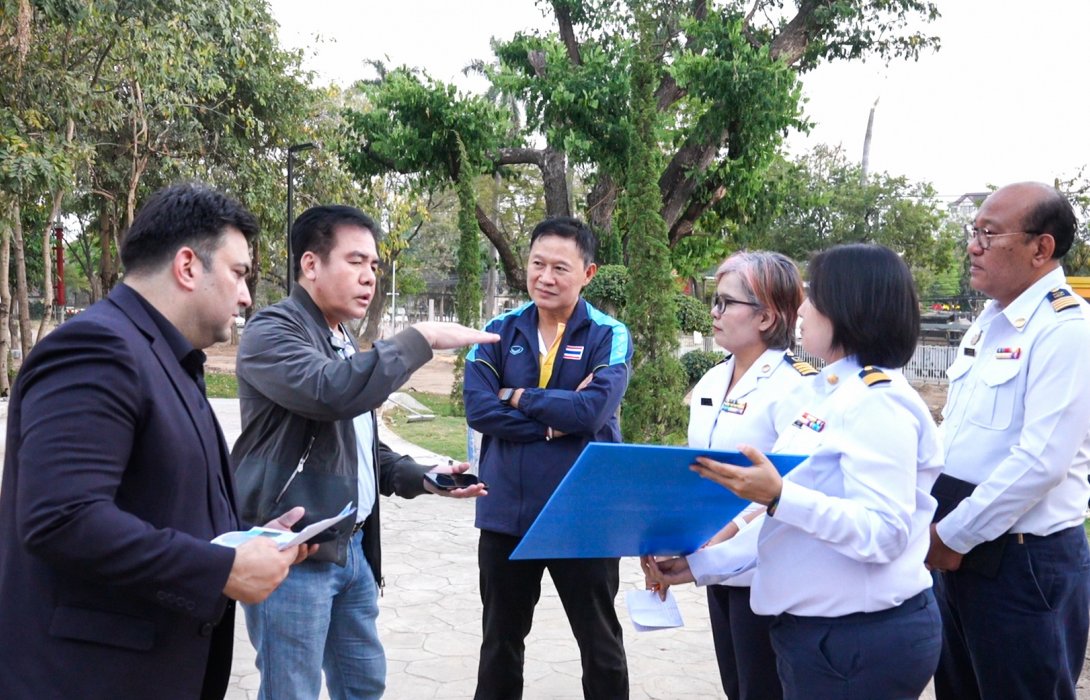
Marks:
<point>807,420</point>
<point>732,406</point>
<point>573,352</point>
<point>1008,353</point>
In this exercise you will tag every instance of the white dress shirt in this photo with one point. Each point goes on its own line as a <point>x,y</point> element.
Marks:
<point>851,529</point>
<point>1017,417</point>
<point>765,399</point>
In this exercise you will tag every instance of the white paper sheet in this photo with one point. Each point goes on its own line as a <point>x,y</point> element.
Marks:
<point>649,613</point>
<point>283,538</point>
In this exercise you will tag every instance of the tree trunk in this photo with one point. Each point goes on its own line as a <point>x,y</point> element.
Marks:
<point>47,267</point>
<point>25,338</point>
<point>513,268</point>
<point>554,176</point>
<point>865,167</point>
<point>601,202</point>
<point>372,328</point>
<point>107,233</point>
<point>5,308</point>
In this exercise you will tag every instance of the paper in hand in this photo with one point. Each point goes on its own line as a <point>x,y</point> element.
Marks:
<point>283,538</point>
<point>649,613</point>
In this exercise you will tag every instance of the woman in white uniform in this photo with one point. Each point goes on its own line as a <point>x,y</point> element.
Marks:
<point>748,398</point>
<point>840,557</point>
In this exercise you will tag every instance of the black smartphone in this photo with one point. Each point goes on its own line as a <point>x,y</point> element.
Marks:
<point>449,482</point>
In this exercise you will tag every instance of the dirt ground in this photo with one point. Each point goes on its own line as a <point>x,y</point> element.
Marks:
<point>436,377</point>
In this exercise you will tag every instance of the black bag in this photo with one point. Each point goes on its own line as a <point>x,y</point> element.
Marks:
<point>984,558</point>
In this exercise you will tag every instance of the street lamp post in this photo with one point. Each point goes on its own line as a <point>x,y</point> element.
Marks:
<point>292,150</point>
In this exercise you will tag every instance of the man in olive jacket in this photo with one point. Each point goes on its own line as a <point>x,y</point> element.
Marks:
<point>308,397</point>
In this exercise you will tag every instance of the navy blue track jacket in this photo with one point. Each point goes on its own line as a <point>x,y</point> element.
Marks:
<point>521,467</point>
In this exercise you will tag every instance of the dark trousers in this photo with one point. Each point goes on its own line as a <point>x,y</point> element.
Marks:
<point>509,592</point>
<point>1023,633</point>
<point>743,645</point>
<point>886,655</point>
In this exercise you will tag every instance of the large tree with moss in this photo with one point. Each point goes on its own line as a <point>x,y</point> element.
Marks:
<point>725,89</point>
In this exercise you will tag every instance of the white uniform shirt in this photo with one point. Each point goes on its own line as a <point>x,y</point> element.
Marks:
<point>765,399</point>
<point>852,526</point>
<point>1017,417</point>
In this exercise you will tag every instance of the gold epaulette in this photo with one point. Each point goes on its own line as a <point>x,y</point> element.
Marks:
<point>872,375</point>
<point>801,366</point>
<point>1061,299</point>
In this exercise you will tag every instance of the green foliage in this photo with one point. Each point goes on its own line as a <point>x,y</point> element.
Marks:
<point>698,362</point>
<point>609,289</point>
<point>652,407</point>
<point>413,124</point>
<point>820,200</point>
<point>692,315</point>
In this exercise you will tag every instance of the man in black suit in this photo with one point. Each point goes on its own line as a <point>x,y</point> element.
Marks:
<point>116,477</point>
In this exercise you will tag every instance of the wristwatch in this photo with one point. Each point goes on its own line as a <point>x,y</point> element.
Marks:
<point>505,396</point>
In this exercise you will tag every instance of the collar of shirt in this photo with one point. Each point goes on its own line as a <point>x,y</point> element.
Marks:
<point>191,359</point>
<point>1019,312</point>
<point>762,368</point>
<point>832,376</point>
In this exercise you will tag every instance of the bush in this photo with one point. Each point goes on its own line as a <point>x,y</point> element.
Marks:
<point>607,290</point>
<point>692,316</point>
<point>698,362</point>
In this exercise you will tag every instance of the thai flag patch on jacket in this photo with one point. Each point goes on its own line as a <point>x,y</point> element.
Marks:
<point>573,352</point>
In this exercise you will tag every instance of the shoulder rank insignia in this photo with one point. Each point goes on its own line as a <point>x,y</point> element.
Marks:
<point>801,366</point>
<point>871,375</point>
<point>1062,299</point>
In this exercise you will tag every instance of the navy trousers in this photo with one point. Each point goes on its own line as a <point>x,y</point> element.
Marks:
<point>1023,633</point>
<point>886,655</point>
<point>510,591</point>
<point>743,645</point>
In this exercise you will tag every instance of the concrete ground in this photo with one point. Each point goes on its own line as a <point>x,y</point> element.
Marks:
<point>430,615</point>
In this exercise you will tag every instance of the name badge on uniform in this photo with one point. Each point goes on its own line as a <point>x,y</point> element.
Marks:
<point>732,406</point>
<point>1008,353</point>
<point>810,421</point>
<point>705,401</point>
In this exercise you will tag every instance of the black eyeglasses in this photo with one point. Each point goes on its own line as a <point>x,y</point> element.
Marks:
<point>720,302</point>
<point>984,237</point>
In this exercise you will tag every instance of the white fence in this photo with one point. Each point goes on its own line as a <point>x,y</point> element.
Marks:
<point>928,363</point>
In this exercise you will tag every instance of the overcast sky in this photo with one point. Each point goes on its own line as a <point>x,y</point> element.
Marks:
<point>1007,97</point>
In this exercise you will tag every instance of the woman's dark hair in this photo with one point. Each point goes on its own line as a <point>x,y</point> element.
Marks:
<point>867,293</point>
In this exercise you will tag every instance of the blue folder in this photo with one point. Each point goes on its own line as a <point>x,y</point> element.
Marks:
<point>628,500</point>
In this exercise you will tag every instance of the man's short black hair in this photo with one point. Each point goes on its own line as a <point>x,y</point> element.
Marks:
<point>184,214</point>
<point>314,230</point>
<point>573,229</point>
<point>1053,215</point>
<point>867,293</point>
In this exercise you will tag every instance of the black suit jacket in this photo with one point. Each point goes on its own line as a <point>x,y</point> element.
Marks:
<point>109,587</point>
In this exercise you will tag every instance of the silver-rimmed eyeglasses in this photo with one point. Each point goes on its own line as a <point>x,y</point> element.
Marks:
<point>984,237</point>
<point>720,302</point>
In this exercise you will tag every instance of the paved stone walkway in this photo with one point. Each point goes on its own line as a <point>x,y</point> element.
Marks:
<point>430,615</point>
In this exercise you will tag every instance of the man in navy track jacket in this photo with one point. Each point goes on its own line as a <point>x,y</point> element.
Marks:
<point>552,384</point>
